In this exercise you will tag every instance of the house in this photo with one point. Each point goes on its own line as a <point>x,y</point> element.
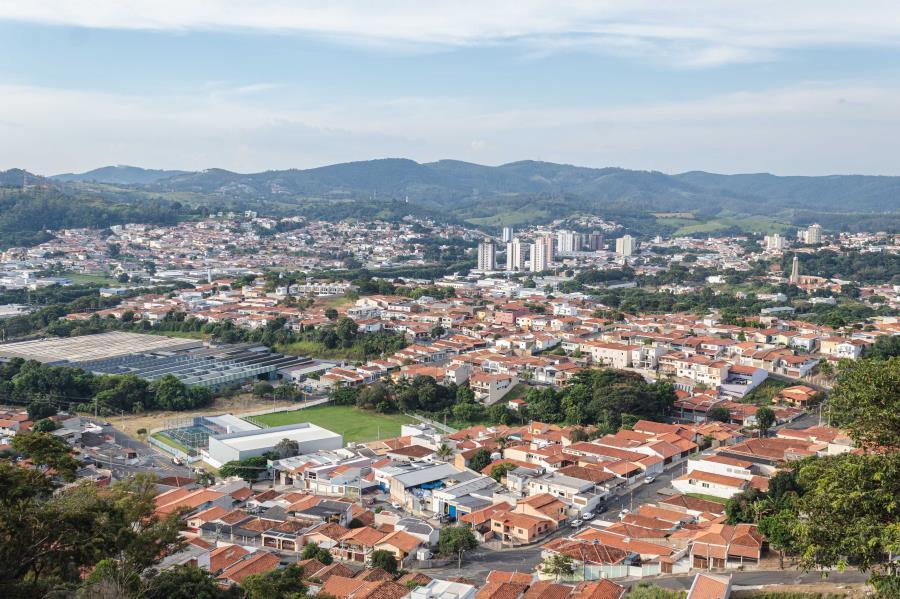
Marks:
<point>519,528</point>
<point>725,546</point>
<point>399,543</point>
<point>358,544</point>
<point>709,483</point>
<point>254,563</point>
<point>490,388</point>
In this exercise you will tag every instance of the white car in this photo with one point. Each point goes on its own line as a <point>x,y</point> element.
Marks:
<point>576,523</point>
<point>649,479</point>
<point>397,506</point>
<point>587,516</point>
<point>625,511</point>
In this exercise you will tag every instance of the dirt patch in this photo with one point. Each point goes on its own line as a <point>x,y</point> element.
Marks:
<point>239,404</point>
<point>823,589</point>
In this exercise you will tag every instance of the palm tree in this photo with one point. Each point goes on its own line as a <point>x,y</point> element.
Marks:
<point>444,451</point>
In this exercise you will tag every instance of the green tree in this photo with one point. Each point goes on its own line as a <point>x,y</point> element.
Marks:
<point>250,469</point>
<point>886,346</point>
<point>263,389</point>
<point>719,413</point>
<point>765,418</point>
<point>187,582</point>
<point>437,331</point>
<point>48,451</point>
<point>331,314</point>
<point>284,583</point>
<point>558,565</point>
<point>480,459</point>
<point>866,401</point>
<point>287,448</point>
<point>313,551</point>
<point>456,540</point>
<point>499,471</point>
<point>384,560</point>
<point>45,425</point>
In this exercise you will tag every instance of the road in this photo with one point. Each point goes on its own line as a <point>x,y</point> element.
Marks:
<point>763,577</point>
<point>149,459</point>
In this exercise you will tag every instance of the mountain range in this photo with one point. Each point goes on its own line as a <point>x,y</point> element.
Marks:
<point>463,184</point>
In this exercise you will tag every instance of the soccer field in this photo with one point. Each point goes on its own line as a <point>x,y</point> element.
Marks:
<point>354,424</point>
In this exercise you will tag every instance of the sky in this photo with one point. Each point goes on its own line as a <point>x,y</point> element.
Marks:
<point>799,87</point>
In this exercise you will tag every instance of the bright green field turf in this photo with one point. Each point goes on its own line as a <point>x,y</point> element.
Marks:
<point>354,424</point>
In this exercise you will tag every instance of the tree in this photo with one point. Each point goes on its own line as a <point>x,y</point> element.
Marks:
<point>765,418</point>
<point>287,448</point>
<point>263,389</point>
<point>40,409</point>
<point>720,413</point>
<point>383,559</point>
<point>49,539</point>
<point>45,425</point>
<point>455,540</point>
<point>558,565</point>
<point>313,551</point>
<point>437,331</point>
<point>444,451</point>
<point>778,530</point>
<point>284,583</point>
<point>48,451</point>
<point>186,582</point>
<point>886,346</point>
<point>331,314</point>
<point>742,507</point>
<point>866,402</point>
<point>848,515</point>
<point>480,459</point>
<point>499,471</point>
<point>250,469</point>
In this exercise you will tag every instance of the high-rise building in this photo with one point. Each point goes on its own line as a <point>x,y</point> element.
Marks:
<point>568,242</point>
<point>795,271</point>
<point>540,255</point>
<point>507,234</point>
<point>814,234</point>
<point>516,255</point>
<point>775,242</point>
<point>594,241</point>
<point>486,256</point>
<point>625,245</point>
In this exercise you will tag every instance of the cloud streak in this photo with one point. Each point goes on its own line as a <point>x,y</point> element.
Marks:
<point>693,33</point>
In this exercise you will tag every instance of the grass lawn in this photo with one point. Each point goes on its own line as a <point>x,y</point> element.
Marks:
<point>354,424</point>
<point>87,278</point>
<point>708,497</point>
<point>166,439</point>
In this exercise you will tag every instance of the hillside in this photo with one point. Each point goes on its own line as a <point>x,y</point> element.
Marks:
<point>26,214</point>
<point>118,175</point>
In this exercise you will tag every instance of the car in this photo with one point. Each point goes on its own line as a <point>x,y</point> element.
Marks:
<point>576,523</point>
<point>625,511</point>
<point>601,509</point>
<point>587,516</point>
<point>397,506</point>
<point>107,424</point>
<point>649,479</point>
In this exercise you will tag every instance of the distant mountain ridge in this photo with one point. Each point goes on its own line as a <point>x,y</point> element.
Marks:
<point>119,175</point>
<point>466,191</point>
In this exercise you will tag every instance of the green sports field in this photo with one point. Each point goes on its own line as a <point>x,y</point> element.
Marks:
<point>354,424</point>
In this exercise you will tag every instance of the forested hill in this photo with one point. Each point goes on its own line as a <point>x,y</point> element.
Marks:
<point>26,214</point>
<point>435,184</point>
<point>463,183</point>
<point>119,175</point>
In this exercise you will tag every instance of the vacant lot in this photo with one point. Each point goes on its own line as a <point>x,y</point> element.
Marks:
<point>354,424</point>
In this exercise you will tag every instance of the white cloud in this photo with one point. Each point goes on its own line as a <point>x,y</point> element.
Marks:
<point>806,129</point>
<point>693,33</point>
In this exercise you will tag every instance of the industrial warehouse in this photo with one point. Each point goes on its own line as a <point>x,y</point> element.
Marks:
<point>152,357</point>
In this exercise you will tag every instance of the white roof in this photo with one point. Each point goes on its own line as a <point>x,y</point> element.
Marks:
<point>269,437</point>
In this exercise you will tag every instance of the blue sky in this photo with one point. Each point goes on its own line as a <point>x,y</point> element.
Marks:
<point>807,88</point>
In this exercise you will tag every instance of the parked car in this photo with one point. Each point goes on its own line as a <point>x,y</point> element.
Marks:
<point>587,516</point>
<point>576,523</point>
<point>649,479</point>
<point>397,506</point>
<point>625,511</point>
